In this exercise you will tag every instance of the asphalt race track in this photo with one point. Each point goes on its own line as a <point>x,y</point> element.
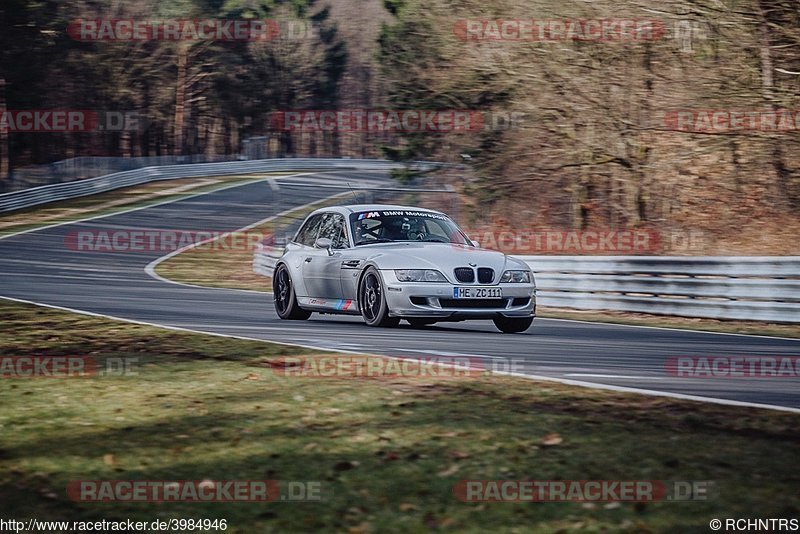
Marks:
<point>37,266</point>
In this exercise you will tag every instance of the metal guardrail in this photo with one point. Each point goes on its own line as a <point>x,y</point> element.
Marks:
<point>714,287</point>
<point>51,193</point>
<point>721,287</point>
<point>83,167</point>
<point>265,258</point>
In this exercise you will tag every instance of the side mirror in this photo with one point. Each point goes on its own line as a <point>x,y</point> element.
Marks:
<point>324,242</point>
<point>475,243</point>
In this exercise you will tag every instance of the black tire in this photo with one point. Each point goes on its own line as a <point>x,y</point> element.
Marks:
<point>513,325</point>
<point>419,323</point>
<point>284,297</point>
<point>372,300</point>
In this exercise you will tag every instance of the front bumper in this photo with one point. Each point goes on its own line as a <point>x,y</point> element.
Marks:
<point>435,300</point>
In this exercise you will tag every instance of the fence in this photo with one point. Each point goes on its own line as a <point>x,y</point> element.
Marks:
<point>55,192</point>
<point>81,168</point>
<point>724,287</point>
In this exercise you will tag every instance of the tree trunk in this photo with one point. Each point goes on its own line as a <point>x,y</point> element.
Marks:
<point>4,159</point>
<point>783,193</point>
<point>180,99</point>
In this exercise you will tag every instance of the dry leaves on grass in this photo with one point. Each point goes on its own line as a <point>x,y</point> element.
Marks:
<point>452,470</point>
<point>282,362</point>
<point>362,528</point>
<point>551,439</point>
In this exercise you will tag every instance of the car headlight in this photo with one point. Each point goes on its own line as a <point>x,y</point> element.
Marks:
<point>419,275</point>
<point>516,277</point>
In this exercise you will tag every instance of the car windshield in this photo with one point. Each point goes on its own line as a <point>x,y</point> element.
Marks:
<point>384,226</point>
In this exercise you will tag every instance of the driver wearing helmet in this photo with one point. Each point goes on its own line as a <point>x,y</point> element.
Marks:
<point>394,229</point>
<point>416,230</point>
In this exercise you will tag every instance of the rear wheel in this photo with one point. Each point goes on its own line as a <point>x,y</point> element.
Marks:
<point>285,300</point>
<point>372,301</point>
<point>419,323</point>
<point>513,325</point>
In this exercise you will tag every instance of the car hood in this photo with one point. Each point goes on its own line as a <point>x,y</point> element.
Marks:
<point>440,256</point>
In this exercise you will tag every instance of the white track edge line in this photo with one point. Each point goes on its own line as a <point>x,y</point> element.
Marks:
<point>569,382</point>
<point>668,328</point>
<point>131,210</point>
<point>150,268</point>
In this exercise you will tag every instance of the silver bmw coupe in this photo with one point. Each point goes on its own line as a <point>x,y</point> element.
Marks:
<point>388,263</point>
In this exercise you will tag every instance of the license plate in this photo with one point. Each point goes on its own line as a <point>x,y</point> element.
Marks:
<point>477,293</point>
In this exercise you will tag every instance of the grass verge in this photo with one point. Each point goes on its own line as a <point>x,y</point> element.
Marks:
<point>216,266</point>
<point>685,323</point>
<point>386,452</point>
<point>117,200</point>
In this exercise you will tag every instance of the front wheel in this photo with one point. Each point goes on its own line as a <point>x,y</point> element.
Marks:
<point>513,325</point>
<point>372,301</point>
<point>285,299</point>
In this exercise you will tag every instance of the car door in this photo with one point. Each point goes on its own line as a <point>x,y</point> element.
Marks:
<point>322,268</point>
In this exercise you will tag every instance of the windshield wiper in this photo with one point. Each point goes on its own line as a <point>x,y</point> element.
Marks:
<point>377,240</point>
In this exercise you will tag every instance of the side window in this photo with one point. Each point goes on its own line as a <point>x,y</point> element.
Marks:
<point>308,233</point>
<point>333,228</point>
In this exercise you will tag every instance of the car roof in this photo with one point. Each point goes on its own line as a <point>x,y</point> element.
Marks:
<point>356,208</point>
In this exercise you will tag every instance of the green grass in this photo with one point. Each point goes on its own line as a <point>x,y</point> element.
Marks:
<point>387,452</point>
